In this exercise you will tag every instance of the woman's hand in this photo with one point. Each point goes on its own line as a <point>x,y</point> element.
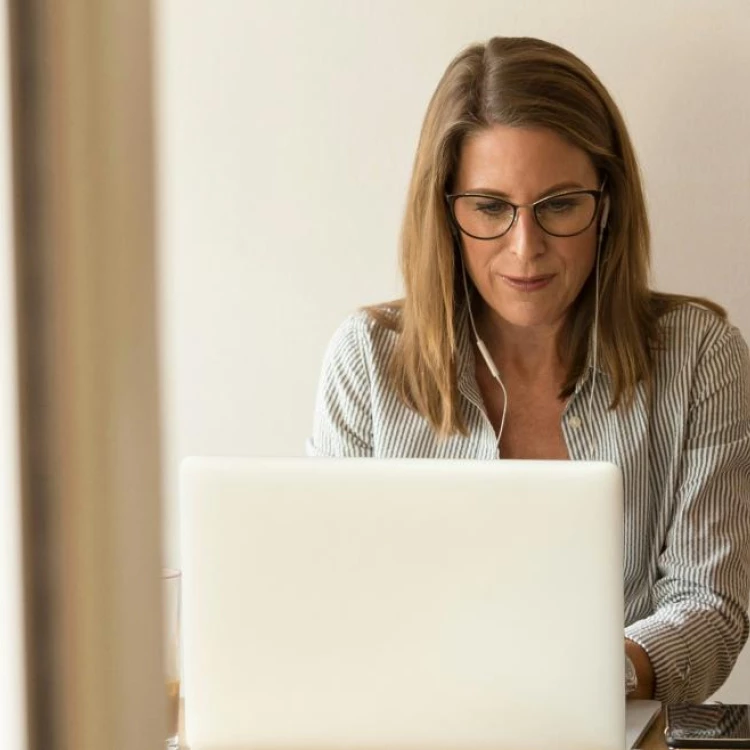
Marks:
<point>643,669</point>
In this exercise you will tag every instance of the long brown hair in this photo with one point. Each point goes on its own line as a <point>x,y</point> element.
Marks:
<point>522,82</point>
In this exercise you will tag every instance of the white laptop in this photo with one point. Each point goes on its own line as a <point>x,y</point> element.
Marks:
<point>366,604</point>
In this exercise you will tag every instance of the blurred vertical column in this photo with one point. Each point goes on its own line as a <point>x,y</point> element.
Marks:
<point>12,649</point>
<point>83,173</point>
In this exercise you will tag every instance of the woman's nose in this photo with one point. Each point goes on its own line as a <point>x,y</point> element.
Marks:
<point>526,238</point>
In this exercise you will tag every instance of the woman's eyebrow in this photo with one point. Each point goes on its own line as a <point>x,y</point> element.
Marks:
<point>557,188</point>
<point>563,186</point>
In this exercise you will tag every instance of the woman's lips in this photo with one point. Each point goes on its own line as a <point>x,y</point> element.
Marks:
<point>527,283</point>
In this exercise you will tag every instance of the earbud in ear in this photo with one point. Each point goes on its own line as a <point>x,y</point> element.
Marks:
<point>605,212</point>
<point>605,217</point>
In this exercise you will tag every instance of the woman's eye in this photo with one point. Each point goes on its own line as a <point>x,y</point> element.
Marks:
<point>559,205</point>
<point>492,208</point>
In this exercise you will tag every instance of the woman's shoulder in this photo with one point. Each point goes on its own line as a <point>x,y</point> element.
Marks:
<point>691,329</point>
<point>370,332</point>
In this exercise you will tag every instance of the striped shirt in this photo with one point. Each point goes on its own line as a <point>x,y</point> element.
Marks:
<point>685,464</point>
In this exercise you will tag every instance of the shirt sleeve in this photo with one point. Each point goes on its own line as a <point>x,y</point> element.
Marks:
<point>342,424</point>
<point>700,618</point>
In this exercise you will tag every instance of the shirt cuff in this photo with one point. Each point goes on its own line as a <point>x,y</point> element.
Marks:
<point>669,655</point>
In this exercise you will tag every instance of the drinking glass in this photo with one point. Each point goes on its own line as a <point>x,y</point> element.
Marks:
<point>171,598</point>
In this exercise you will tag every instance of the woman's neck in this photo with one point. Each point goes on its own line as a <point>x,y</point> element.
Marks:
<point>528,352</point>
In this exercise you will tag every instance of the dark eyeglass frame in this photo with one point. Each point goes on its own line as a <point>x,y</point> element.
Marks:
<point>451,199</point>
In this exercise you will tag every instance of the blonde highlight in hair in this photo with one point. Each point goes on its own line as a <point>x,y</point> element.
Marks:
<point>522,82</point>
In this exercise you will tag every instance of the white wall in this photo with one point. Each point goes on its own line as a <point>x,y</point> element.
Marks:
<point>287,133</point>
<point>12,682</point>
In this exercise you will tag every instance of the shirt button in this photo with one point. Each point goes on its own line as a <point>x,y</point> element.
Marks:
<point>574,422</point>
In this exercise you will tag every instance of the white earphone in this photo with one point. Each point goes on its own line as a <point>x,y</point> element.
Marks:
<point>605,217</point>
<point>595,358</point>
<point>481,345</point>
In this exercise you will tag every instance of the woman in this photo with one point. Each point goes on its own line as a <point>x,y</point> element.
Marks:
<point>528,331</point>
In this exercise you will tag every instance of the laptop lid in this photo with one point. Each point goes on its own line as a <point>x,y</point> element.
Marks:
<point>365,603</point>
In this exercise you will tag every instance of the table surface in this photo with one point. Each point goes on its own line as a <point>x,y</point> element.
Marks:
<point>654,739</point>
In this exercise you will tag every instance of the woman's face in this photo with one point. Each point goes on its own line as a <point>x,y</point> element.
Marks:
<point>527,278</point>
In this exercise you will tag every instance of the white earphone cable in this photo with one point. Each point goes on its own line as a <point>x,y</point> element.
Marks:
<point>595,330</point>
<point>595,344</point>
<point>485,354</point>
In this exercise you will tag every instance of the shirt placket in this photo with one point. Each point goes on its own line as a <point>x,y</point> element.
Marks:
<point>577,431</point>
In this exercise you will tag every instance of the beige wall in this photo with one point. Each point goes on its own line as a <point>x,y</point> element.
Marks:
<point>287,132</point>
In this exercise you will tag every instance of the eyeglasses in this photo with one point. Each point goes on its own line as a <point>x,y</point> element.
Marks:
<point>487,217</point>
